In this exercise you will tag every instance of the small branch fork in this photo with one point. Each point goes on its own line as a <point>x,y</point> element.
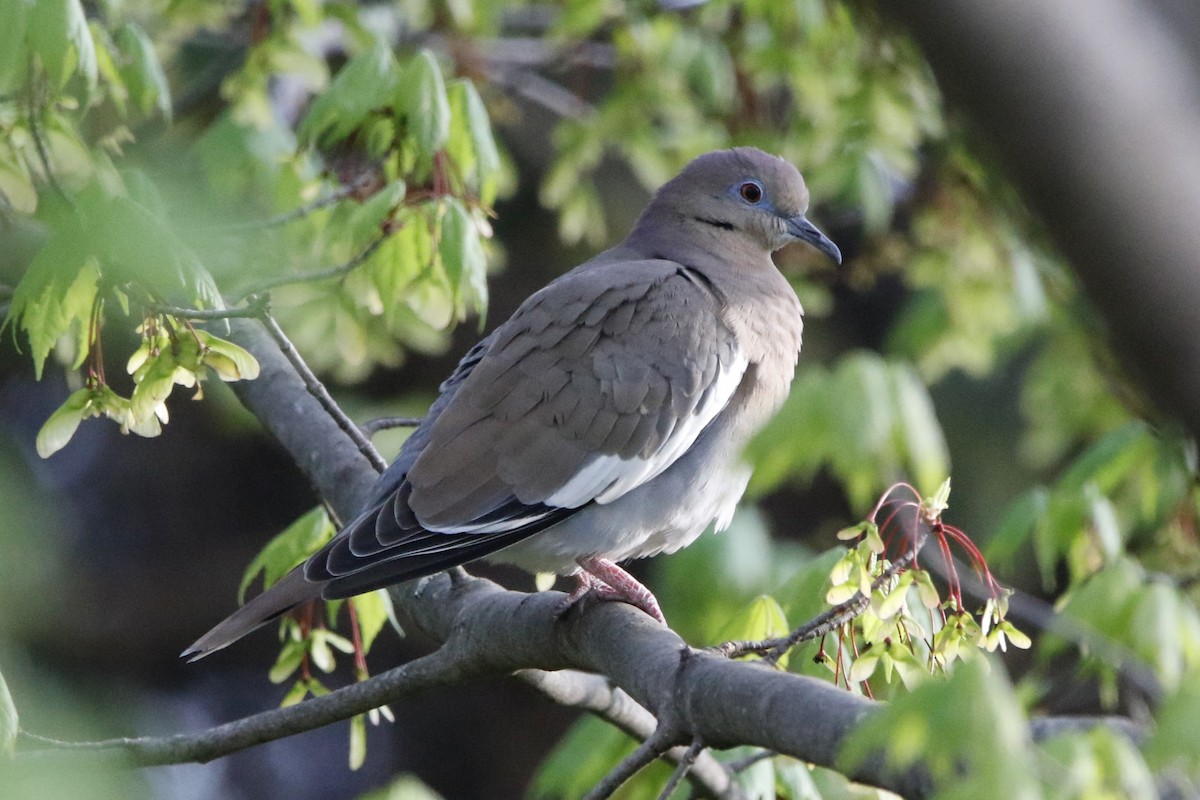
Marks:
<point>338,271</point>
<point>259,307</point>
<point>318,390</point>
<point>773,649</point>
<point>647,753</point>
<point>348,190</point>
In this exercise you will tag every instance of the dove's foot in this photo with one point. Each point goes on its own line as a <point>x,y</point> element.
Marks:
<point>601,580</point>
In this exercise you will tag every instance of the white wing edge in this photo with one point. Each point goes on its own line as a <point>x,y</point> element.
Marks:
<point>605,478</point>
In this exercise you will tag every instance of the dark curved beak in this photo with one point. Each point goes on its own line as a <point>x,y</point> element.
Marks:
<point>805,231</point>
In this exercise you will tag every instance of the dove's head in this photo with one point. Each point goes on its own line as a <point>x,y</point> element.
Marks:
<point>743,196</point>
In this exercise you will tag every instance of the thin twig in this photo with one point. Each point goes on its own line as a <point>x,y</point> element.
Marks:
<point>646,753</point>
<point>373,426</point>
<point>304,210</point>
<point>596,694</point>
<point>205,314</point>
<point>439,668</point>
<point>542,91</point>
<point>682,768</point>
<point>746,762</point>
<point>318,390</point>
<point>773,649</point>
<point>1043,616</point>
<point>318,275</point>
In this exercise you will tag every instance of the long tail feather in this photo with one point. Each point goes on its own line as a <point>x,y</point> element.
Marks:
<point>292,590</point>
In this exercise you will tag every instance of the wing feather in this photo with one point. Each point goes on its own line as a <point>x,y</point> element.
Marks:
<point>594,387</point>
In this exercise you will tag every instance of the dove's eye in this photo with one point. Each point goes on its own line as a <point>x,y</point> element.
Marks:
<point>751,192</point>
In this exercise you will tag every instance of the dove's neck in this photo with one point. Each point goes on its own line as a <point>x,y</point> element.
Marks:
<point>697,241</point>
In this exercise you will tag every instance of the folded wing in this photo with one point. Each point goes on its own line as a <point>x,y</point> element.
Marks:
<point>598,383</point>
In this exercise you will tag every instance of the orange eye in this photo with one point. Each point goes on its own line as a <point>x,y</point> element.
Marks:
<point>751,192</point>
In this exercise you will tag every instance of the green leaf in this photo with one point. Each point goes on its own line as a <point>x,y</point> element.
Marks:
<point>295,694</point>
<point>358,741</point>
<point>366,219</point>
<point>107,58</point>
<point>59,34</point>
<point>967,731</point>
<point>141,71</point>
<point>1172,745</point>
<point>470,142</point>
<point>287,550</point>
<point>463,259</point>
<point>16,187</point>
<point>289,660</point>
<point>228,360</point>
<point>1108,460</point>
<point>403,787</point>
<point>1017,526</point>
<point>940,500</point>
<point>155,380</point>
<point>364,85</point>
<point>373,610</point>
<point>14,18</point>
<point>55,297</point>
<point>421,101</point>
<point>9,722</point>
<point>62,424</point>
<point>927,591</point>
<point>762,619</point>
<point>584,756</point>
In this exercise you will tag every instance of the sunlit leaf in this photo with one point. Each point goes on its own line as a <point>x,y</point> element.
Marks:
<point>358,741</point>
<point>762,619</point>
<point>228,360</point>
<point>374,610</point>
<point>470,141</point>
<point>941,722</point>
<point>58,32</point>
<point>421,100</point>
<point>142,73</point>
<point>365,84</point>
<point>463,258</point>
<point>14,17</point>
<point>403,787</point>
<point>289,660</point>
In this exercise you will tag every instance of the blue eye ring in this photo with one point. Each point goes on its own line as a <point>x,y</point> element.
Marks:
<point>751,191</point>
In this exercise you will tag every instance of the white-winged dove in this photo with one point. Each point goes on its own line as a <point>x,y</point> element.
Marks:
<point>604,421</point>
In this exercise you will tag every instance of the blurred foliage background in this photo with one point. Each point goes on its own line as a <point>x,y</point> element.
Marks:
<point>389,170</point>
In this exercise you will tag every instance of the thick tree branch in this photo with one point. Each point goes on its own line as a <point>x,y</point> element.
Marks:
<point>596,694</point>
<point>1095,116</point>
<point>487,630</point>
<point>725,703</point>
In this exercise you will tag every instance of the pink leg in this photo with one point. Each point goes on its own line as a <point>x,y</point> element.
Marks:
<point>605,581</point>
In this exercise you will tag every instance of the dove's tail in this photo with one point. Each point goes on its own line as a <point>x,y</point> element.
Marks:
<point>289,592</point>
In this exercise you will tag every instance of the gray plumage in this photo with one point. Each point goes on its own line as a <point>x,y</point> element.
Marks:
<point>604,420</point>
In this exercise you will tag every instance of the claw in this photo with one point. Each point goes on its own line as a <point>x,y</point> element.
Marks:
<point>602,580</point>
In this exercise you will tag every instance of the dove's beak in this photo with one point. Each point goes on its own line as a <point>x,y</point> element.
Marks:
<point>800,228</point>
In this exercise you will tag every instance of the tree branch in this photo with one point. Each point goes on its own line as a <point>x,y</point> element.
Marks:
<point>774,649</point>
<point>596,694</point>
<point>645,754</point>
<point>1104,150</point>
<point>337,271</point>
<point>373,426</point>
<point>317,389</point>
<point>486,630</point>
<point>330,199</point>
<point>441,667</point>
